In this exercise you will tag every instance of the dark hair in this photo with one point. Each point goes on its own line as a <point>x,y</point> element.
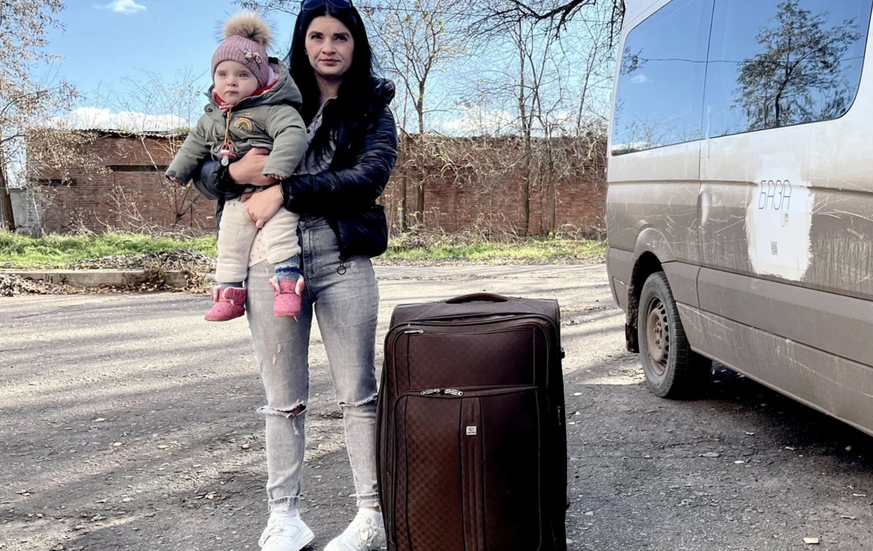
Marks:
<point>345,114</point>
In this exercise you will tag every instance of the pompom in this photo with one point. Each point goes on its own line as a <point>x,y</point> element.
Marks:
<point>249,24</point>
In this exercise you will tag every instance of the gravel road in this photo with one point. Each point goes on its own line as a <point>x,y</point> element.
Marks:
<point>127,422</point>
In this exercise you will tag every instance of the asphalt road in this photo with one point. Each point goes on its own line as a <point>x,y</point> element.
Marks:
<point>127,422</point>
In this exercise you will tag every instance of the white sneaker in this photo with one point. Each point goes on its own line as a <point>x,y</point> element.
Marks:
<point>284,533</point>
<point>361,535</point>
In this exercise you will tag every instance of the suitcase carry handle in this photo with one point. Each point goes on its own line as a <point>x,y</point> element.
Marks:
<point>486,297</point>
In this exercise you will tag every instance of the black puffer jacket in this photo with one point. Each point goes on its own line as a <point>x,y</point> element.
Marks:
<point>346,193</point>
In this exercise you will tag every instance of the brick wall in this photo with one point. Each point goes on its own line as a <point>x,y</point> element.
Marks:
<point>132,195</point>
<point>476,185</point>
<point>581,206</point>
<point>135,193</point>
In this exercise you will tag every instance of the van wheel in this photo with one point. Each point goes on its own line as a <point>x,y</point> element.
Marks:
<point>672,369</point>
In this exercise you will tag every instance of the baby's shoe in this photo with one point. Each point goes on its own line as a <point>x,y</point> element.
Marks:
<point>287,301</point>
<point>230,303</point>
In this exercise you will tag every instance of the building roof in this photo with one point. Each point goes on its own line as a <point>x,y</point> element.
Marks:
<point>115,133</point>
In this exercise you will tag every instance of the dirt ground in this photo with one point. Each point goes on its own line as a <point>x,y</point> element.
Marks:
<point>127,422</point>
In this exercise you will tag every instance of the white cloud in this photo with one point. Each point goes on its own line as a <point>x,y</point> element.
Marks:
<point>641,79</point>
<point>476,121</point>
<point>126,7</point>
<point>105,119</point>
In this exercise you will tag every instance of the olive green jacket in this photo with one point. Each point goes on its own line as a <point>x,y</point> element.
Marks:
<point>269,120</point>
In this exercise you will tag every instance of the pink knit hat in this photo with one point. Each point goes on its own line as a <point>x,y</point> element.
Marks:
<point>246,37</point>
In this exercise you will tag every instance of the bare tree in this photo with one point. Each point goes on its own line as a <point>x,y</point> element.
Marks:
<point>177,104</point>
<point>414,41</point>
<point>556,86</point>
<point>417,39</point>
<point>533,92</point>
<point>22,39</point>
<point>499,15</point>
<point>533,71</point>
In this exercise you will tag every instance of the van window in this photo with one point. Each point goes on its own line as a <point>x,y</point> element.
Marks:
<point>660,88</point>
<point>775,64</point>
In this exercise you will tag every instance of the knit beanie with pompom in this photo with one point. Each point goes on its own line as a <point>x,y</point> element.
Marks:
<point>246,37</point>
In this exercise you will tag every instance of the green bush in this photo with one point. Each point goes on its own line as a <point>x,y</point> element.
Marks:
<point>414,246</point>
<point>55,250</point>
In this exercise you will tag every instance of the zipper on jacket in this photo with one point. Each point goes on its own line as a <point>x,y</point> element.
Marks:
<point>225,160</point>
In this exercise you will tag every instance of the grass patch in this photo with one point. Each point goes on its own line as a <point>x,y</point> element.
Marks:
<point>57,250</point>
<point>531,250</point>
<point>54,250</point>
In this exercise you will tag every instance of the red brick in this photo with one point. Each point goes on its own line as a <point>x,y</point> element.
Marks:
<point>95,201</point>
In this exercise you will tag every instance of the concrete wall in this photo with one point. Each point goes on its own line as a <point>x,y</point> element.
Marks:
<point>28,216</point>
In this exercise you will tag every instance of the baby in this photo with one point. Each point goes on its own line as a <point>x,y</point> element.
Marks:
<point>253,102</point>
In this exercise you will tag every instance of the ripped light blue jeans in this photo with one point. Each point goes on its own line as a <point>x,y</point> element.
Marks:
<point>346,305</point>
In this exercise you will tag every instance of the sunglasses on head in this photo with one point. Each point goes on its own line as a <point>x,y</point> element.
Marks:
<point>315,4</point>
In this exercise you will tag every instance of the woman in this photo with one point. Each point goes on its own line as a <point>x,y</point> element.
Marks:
<point>352,150</point>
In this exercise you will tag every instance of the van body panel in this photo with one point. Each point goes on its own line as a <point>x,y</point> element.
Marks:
<point>619,292</point>
<point>832,384</point>
<point>832,323</point>
<point>620,264</point>
<point>841,169</point>
<point>636,10</point>
<point>825,242</point>
<point>660,218</point>
<point>839,153</point>
<point>683,282</point>
<point>741,202</point>
<point>767,239</point>
<point>841,244</point>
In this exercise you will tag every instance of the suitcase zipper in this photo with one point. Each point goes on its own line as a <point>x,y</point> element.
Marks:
<point>476,319</point>
<point>464,321</point>
<point>467,393</point>
<point>450,391</point>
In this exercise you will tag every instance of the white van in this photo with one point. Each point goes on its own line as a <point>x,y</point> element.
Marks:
<point>740,202</point>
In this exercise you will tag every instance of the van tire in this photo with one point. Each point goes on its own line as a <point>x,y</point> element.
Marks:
<point>672,369</point>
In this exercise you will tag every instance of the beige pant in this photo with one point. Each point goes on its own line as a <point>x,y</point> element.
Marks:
<point>236,235</point>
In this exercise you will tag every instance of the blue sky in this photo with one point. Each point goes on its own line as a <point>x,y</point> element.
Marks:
<point>106,41</point>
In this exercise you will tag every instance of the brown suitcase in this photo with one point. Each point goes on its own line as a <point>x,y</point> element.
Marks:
<point>472,439</point>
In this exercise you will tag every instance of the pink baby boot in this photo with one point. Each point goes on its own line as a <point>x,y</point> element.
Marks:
<point>230,303</point>
<point>287,301</point>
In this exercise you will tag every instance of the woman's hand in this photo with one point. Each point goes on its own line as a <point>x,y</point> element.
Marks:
<point>261,206</point>
<point>250,168</point>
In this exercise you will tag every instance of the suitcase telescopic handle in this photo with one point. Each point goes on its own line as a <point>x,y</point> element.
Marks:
<point>486,297</point>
